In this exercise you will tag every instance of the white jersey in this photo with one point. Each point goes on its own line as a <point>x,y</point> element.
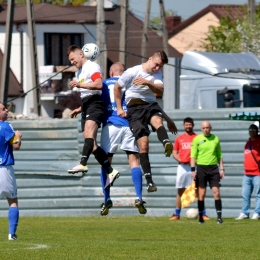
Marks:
<point>87,74</point>
<point>137,91</point>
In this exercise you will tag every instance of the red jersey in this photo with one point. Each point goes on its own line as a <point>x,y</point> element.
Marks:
<point>250,164</point>
<point>182,144</point>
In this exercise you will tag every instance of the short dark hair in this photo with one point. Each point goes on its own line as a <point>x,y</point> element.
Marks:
<point>188,120</point>
<point>72,48</point>
<point>162,55</point>
<point>253,126</point>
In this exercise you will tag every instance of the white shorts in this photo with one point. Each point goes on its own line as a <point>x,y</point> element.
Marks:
<point>183,178</point>
<point>113,136</point>
<point>8,187</point>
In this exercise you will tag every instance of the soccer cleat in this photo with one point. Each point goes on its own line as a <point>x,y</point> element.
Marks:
<point>201,221</point>
<point>151,187</point>
<point>12,237</point>
<point>140,205</point>
<point>255,216</point>
<point>105,207</point>
<point>79,168</point>
<point>174,217</point>
<point>205,217</point>
<point>168,149</point>
<point>220,221</point>
<point>111,177</point>
<point>242,216</point>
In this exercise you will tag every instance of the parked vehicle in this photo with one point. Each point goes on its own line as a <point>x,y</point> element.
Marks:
<point>219,80</point>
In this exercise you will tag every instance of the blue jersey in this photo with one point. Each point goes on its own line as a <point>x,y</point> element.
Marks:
<point>109,99</point>
<point>6,149</point>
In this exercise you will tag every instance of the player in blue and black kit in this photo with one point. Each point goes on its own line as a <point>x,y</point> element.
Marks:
<point>116,132</point>
<point>9,140</point>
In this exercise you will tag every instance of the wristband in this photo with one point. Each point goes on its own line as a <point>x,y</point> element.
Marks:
<point>192,169</point>
<point>222,169</point>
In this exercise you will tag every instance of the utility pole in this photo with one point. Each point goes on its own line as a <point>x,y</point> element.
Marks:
<point>123,31</point>
<point>145,29</point>
<point>7,52</point>
<point>101,36</point>
<point>251,11</point>
<point>164,27</point>
<point>34,58</point>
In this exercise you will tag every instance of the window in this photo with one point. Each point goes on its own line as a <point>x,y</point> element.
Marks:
<point>228,98</point>
<point>251,95</point>
<point>56,45</point>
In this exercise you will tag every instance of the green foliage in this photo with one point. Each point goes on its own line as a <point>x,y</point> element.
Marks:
<point>156,22</point>
<point>237,35</point>
<point>139,237</point>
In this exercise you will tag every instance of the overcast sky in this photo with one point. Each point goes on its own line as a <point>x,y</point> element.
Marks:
<point>184,8</point>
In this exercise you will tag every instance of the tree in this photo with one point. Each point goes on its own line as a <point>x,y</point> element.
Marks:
<point>237,35</point>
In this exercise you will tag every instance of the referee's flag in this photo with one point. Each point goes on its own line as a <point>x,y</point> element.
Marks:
<point>188,196</point>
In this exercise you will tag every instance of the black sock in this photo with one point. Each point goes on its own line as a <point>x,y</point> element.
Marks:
<point>201,208</point>
<point>87,150</point>
<point>101,157</point>
<point>162,135</point>
<point>218,206</point>
<point>145,163</point>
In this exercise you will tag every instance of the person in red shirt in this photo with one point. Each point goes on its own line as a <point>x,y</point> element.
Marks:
<point>251,179</point>
<point>181,153</point>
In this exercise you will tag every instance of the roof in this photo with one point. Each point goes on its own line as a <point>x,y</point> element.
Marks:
<point>47,13</point>
<point>220,11</point>
<point>15,88</point>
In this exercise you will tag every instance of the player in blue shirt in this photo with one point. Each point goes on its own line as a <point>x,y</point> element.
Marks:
<point>116,132</point>
<point>9,140</point>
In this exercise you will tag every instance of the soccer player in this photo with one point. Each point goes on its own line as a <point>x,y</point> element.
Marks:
<point>89,82</point>
<point>181,153</point>
<point>9,140</point>
<point>141,83</point>
<point>116,132</point>
<point>206,153</point>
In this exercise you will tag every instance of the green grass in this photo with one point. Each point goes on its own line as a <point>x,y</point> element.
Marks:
<point>130,238</point>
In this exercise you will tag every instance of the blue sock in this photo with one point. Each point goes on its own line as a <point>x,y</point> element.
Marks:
<point>103,179</point>
<point>204,212</point>
<point>13,217</point>
<point>177,212</point>
<point>138,181</point>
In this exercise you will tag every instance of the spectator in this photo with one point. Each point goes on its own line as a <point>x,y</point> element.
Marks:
<point>251,178</point>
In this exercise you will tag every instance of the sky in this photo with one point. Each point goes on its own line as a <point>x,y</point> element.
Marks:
<point>138,7</point>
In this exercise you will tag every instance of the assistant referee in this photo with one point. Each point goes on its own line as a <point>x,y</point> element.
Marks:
<point>206,153</point>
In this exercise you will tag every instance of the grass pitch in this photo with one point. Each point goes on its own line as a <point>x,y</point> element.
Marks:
<point>130,238</point>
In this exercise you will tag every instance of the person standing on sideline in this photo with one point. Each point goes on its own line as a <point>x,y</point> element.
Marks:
<point>251,179</point>
<point>206,153</point>
<point>181,153</point>
<point>89,82</point>
<point>141,83</point>
<point>9,140</point>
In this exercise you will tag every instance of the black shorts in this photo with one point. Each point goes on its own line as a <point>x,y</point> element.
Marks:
<point>93,108</point>
<point>139,117</point>
<point>208,173</point>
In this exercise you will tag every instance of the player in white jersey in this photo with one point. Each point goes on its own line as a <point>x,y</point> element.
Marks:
<point>89,82</point>
<point>9,140</point>
<point>142,82</point>
<point>115,133</point>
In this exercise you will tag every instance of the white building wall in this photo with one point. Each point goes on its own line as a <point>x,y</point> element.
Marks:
<point>26,107</point>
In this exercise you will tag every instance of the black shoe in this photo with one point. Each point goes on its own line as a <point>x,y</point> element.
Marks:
<point>220,221</point>
<point>201,221</point>
<point>151,187</point>
<point>105,207</point>
<point>140,205</point>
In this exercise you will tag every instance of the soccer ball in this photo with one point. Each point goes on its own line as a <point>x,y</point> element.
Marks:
<point>192,213</point>
<point>91,51</point>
